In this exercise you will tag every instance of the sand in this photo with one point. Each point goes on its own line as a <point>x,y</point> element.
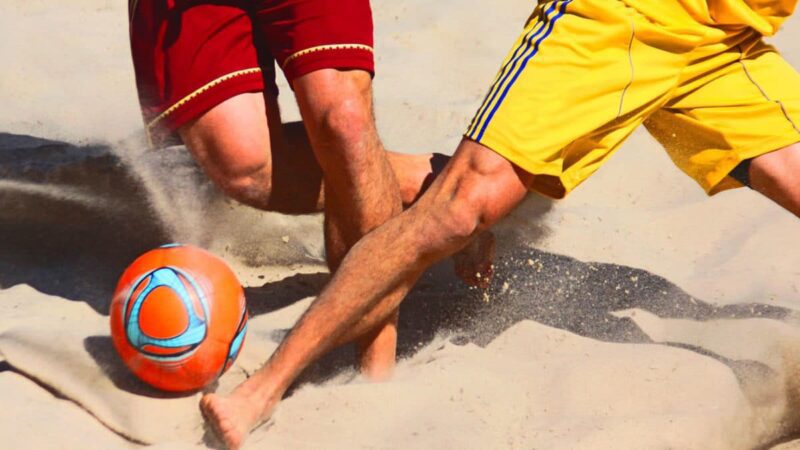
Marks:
<point>635,314</point>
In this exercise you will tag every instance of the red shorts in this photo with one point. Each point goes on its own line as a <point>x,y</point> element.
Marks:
<point>191,55</point>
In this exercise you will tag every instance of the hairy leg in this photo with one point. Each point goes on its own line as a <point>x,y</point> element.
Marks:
<point>361,189</point>
<point>777,176</point>
<point>476,189</point>
<point>239,142</point>
<point>243,147</point>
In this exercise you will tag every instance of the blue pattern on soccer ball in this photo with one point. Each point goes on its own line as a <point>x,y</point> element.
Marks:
<point>236,345</point>
<point>191,337</point>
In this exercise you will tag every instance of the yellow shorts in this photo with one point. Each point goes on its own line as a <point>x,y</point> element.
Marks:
<point>585,73</point>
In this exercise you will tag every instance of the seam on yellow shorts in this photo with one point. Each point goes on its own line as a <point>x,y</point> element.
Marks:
<point>321,48</point>
<point>763,93</point>
<point>177,105</point>
<point>630,62</point>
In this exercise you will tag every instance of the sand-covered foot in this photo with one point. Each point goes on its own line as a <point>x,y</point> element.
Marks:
<point>474,264</point>
<point>232,417</point>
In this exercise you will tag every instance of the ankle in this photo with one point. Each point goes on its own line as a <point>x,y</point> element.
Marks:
<point>259,395</point>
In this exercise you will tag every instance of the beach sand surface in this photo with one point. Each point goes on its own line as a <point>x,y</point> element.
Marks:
<point>635,314</point>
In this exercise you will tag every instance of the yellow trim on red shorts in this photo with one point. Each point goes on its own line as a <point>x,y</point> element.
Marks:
<point>320,48</point>
<point>199,91</point>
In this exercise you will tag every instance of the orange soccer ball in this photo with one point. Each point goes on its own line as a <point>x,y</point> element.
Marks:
<point>178,317</point>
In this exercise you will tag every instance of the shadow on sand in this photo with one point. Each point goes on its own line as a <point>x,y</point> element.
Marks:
<point>72,217</point>
<point>530,284</point>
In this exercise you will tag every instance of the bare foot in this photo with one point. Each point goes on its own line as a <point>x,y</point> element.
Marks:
<point>233,417</point>
<point>473,264</point>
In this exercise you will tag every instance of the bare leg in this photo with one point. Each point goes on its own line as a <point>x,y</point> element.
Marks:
<point>236,142</point>
<point>245,150</point>
<point>777,176</point>
<point>476,189</point>
<point>272,167</point>
<point>361,193</point>
<point>243,147</point>
<point>361,189</point>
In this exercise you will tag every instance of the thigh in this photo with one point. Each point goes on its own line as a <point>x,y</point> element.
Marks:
<point>774,175</point>
<point>309,35</point>
<point>190,56</point>
<point>244,148</point>
<point>234,139</point>
<point>575,84</point>
<point>747,106</point>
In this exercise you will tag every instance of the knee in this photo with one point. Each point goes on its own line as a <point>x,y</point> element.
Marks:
<point>459,221</point>
<point>232,144</point>
<point>252,186</point>
<point>346,122</point>
<point>478,194</point>
<point>336,105</point>
<point>466,211</point>
<point>238,171</point>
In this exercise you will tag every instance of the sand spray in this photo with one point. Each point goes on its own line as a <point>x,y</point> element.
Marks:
<point>194,211</point>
